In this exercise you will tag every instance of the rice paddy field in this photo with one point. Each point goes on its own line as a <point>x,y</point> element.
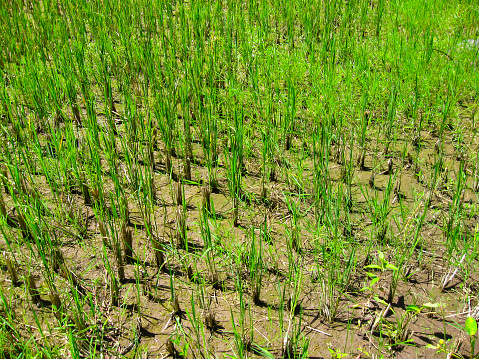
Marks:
<point>239,179</point>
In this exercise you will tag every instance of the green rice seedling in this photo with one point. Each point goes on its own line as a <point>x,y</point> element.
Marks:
<point>207,198</point>
<point>178,191</point>
<point>456,205</point>
<point>3,209</point>
<point>362,139</point>
<point>294,231</point>
<point>159,253</point>
<point>347,178</point>
<point>243,334</point>
<point>256,267</point>
<point>181,235</point>
<point>205,229</point>
<point>199,326</point>
<point>57,307</point>
<point>264,158</point>
<point>139,278</point>
<point>407,249</point>
<point>153,191</point>
<point>188,116</point>
<point>171,349</point>
<point>475,181</point>
<point>210,248</point>
<point>72,340</point>
<point>72,279</point>
<point>33,290</point>
<point>58,261</point>
<point>124,209</point>
<point>289,115</point>
<point>211,323</point>
<point>114,289</point>
<point>118,255</point>
<point>177,312</point>
<point>380,208</point>
<point>132,175</point>
<point>234,164</point>
<point>321,142</point>
<point>10,335</point>
<point>187,168</point>
<point>4,174</point>
<point>270,141</point>
<point>239,340</point>
<point>127,240</point>
<point>86,195</point>
<point>105,237</point>
<point>295,344</point>
<point>265,231</point>
<point>165,113</point>
<point>209,130</point>
<point>335,280</point>
<point>78,315</point>
<point>68,76</point>
<point>11,270</point>
<point>22,222</point>
<point>295,280</point>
